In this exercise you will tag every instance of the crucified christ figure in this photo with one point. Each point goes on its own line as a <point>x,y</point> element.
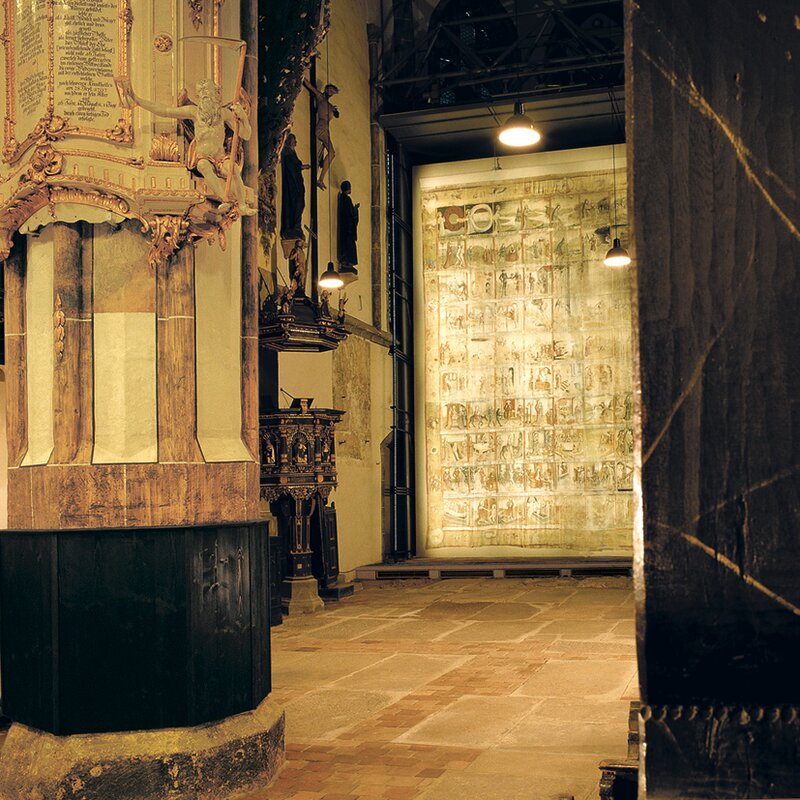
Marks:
<point>325,112</point>
<point>207,154</point>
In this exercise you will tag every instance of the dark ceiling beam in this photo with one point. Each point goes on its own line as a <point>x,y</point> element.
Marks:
<point>470,56</point>
<point>582,36</point>
<point>514,70</point>
<point>536,12</point>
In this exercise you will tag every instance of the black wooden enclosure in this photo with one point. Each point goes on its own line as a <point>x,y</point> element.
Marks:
<point>131,629</point>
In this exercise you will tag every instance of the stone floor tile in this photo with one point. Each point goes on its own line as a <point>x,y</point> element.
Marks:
<point>492,631</point>
<point>323,713</point>
<point>577,628</point>
<point>402,672</point>
<point>465,786</point>
<point>292,668</point>
<point>388,699</point>
<point>450,609</point>
<point>602,597</point>
<point>603,740</point>
<point>470,722</point>
<point>349,628</point>
<point>595,678</point>
<point>418,629</point>
<point>511,610</point>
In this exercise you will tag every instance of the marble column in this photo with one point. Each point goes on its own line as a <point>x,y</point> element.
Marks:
<point>712,101</point>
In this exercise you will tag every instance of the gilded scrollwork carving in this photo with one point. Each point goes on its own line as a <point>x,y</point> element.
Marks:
<point>10,148</point>
<point>167,234</point>
<point>37,195</point>
<point>17,211</point>
<point>58,328</point>
<point>45,162</point>
<point>52,128</point>
<point>91,197</point>
<point>121,132</point>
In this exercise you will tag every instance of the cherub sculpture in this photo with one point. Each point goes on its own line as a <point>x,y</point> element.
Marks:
<point>325,303</point>
<point>325,112</point>
<point>207,153</point>
<point>298,267</point>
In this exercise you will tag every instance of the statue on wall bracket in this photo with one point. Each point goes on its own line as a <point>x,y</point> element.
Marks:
<point>293,201</point>
<point>289,319</point>
<point>347,234</point>
<point>219,166</point>
<point>325,112</point>
<point>293,191</point>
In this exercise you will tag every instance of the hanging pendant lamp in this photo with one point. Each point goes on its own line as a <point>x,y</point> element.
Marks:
<point>330,279</point>
<point>519,130</point>
<point>617,256</point>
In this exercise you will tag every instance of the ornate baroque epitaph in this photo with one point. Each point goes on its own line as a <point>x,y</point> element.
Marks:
<point>60,63</point>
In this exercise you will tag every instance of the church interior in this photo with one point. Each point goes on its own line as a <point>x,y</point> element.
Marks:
<point>400,399</point>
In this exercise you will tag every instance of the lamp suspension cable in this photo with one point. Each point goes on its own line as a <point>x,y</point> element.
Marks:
<point>518,130</point>
<point>330,279</point>
<point>617,256</point>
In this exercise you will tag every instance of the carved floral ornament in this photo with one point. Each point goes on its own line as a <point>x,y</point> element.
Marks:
<point>165,148</point>
<point>197,9</point>
<point>163,43</point>
<point>58,328</point>
<point>273,493</point>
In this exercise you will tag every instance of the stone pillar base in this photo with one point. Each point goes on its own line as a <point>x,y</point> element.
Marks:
<point>216,761</point>
<point>301,596</point>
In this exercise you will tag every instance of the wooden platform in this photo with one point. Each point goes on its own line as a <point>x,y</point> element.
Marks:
<point>440,568</point>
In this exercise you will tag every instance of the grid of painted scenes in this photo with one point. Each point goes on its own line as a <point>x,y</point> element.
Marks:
<point>528,366</point>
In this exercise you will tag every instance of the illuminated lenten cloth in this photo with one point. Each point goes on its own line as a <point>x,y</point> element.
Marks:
<point>526,363</point>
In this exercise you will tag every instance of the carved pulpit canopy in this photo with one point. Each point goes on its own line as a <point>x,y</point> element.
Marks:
<point>98,126</point>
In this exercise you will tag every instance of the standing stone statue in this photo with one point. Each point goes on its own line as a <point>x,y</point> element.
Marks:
<point>347,228</point>
<point>293,191</point>
<point>325,111</point>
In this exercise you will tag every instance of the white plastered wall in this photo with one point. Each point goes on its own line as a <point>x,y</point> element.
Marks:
<point>344,61</point>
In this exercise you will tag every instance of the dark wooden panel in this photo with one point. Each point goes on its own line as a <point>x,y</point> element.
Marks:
<point>220,622</point>
<point>276,576</point>
<point>30,636</point>
<point>128,629</point>
<point>260,583</point>
<point>124,639</point>
<point>715,159</point>
<point>723,752</point>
